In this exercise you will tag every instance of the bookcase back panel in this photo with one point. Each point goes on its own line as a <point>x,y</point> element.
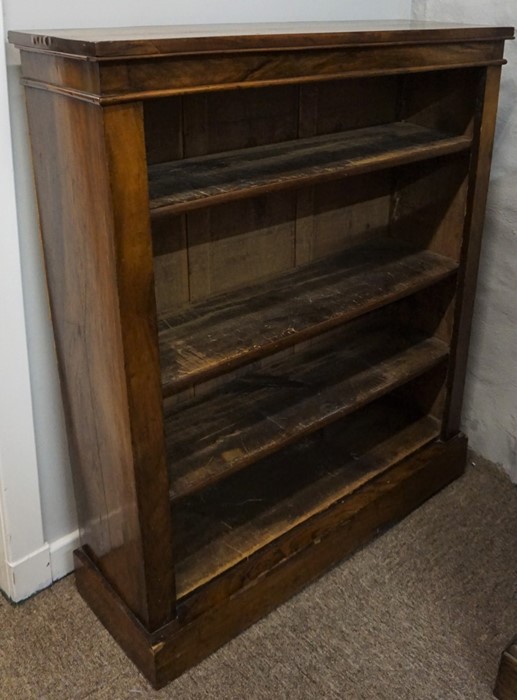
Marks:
<point>445,100</point>
<point>426,395</point>
<point>239,243</point>
<point>195,125</point>
<point>430,203</point>
<point>224,121</point>
<point>163,126</point>
<point>185,126</point>
<point>342,105</point>
<point>212,250</point>
<point>340,214</point>
<point>431,311</point>
<point>171,269</point>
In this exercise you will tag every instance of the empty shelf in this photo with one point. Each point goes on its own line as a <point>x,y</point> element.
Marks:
<point>221,333</point>
<point>253,416</point>
<point>229,522</point>
<point>190,183</point>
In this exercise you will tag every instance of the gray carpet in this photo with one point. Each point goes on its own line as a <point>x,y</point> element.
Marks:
<point>422,613</point>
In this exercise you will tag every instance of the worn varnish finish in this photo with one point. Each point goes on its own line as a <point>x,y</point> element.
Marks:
<point>148,78</point>
<point>264,411</point>
<point>191,183</point>
<point>144,41</point>
<point>471,249</point>
<point>225,331</point>
<point>227,523</point>
<point>99,270</point>
<point>220,610</point>
<point>292,266</point>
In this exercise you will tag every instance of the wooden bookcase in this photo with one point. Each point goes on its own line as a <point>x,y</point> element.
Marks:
<point>261,246</point>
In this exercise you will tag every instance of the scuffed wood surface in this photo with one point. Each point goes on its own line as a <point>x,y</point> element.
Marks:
<point>223,332</point>
<point>256,415</point>
<point>153,41</point>
<point>230,521</point>
<point>187,184</point>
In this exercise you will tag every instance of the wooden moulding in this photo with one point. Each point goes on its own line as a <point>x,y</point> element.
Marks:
<point>506,684</point>
<point>214,614</point>
<point>152,78</point>
<point>128,69</point>
<point>137,42</point>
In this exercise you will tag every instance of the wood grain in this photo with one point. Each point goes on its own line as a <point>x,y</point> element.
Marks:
<point>239,244</point>
<point>258,414</point>
<point>227,331</point>
<point>220,610</point>
<point>435,223</point>
<point>135,65</point>
<point>140,41</point>
<point>479,175</point>
<point>341,530</point>
<point>99,271</point>
<point>150,78</point>
<point>190,183</point>
<point>124,138</point>
<point>230,521</point>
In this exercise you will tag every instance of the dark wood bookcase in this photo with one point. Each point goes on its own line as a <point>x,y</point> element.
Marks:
<point>261,246</point>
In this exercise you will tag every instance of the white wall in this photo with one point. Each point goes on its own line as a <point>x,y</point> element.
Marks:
<point>26,14</point>
<point>24,553</point>
<point>490,409</point>
<point>49,481</point>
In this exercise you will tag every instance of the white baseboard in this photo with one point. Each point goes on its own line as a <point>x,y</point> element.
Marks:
<point>29,575</point>
<point>41,568</point>
<point>61,554</point>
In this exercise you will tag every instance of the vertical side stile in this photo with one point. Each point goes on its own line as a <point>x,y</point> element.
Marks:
<point>474,221</point>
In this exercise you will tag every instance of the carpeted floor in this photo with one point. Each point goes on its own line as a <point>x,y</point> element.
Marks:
<point>422,613</point>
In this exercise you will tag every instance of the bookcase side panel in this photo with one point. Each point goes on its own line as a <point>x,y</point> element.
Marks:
<point>88,257</point>
<point>127,167</point>
<point>475,216</point>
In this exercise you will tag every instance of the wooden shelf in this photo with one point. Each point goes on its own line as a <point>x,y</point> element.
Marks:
<point>253,416</point>
<point>223,332</point>
<point>190,183</point>
<point>229,522</point>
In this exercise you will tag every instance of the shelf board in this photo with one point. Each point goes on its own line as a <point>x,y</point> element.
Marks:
<point>229,522</point>
<point>253,416</point>
<point>190,183</point>
<point>221,333</point>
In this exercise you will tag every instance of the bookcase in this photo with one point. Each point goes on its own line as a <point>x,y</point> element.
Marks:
<point>261,245</point>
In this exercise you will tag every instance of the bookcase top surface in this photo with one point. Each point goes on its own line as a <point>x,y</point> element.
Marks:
<point>126,42</point>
